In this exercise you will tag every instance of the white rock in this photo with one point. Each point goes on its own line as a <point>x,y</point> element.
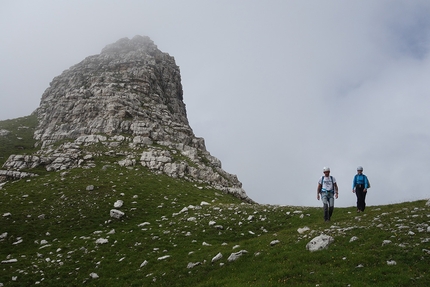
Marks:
<point>163,257</point>
<point>235,256</point>
<point>391,262</point>
<point>144,263</point>
<point>354,238</point>
<point>303,230</point>
<point>183,210</point>
<point>144,224</point>
<point>217,257</point>
<point>206,244</point>
<point>319,242</point>
<point>192,265</point>
<point>102,241</point>
<point>211,223</point>
<point>116,213</point>
<point>118,203</point>
<point>94,275</point>
<point>274,242</point>
<point>204,203</point>
<point>7,214</point>
<point>385,242</point>
<point>9,261</point>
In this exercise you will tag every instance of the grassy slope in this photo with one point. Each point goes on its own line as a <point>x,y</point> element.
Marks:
<point>74,218</point>
<point>20,139</point>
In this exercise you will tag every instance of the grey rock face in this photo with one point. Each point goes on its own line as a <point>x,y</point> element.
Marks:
<point>128,99</point>
<point>130,87</point>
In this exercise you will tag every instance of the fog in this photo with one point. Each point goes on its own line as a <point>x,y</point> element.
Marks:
<point>278,89</point>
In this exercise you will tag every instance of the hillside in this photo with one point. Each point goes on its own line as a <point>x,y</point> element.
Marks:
<point>56,230</point>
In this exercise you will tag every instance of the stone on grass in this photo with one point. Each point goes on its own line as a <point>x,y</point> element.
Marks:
<point>235,256</point>
<point>354,238</point>
<point>9,261</point>
<point>217,257</point>
<point>320,242</point>
<point>192,265</point>
<point>118,203</point>
<point>303,230</point>
<point>101,241</point>
<point>144,263</point>
<point>116,213</point>
<point>385,242</point>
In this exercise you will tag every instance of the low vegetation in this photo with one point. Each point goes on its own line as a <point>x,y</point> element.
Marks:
<point>56,230</point>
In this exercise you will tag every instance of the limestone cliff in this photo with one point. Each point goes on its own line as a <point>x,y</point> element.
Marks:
<point>128,98</point>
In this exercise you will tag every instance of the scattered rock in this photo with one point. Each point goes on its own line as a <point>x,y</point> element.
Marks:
<point>319,242</point>
<point>217,257</point>
<point>116,213</point>
<point>235,256</point>
<point>118,204</point>
<point>303,230</point>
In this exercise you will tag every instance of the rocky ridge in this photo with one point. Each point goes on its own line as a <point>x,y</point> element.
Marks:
<point>128,100</point>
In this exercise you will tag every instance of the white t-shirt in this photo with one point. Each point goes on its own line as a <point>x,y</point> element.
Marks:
<point>327,184</point>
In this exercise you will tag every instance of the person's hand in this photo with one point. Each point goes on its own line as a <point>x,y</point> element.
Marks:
<point>353,190</point>
<point>336,195</point>
<point>365,190</point>
<point>318,196</point>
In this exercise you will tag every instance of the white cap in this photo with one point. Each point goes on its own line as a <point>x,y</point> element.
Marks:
<point>326,169</point>
<point>360,168</point>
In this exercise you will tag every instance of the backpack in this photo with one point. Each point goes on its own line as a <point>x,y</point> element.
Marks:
<point>368,181</point>
<point>322,181</point>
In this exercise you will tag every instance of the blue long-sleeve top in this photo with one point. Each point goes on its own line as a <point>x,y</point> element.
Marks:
<point>360,179</point>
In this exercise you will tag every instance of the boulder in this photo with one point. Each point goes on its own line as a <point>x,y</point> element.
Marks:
<point>320,242</point>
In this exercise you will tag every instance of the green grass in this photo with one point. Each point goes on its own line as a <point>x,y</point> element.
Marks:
<point>58,208</point>
<point>19,140</point>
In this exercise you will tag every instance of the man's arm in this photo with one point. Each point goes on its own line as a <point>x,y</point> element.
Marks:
<point>319,190</point>
<point>336,190</point>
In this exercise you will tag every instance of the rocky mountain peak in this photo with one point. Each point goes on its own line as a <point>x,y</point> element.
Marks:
<point>131,87</point>
<point>128,98</point>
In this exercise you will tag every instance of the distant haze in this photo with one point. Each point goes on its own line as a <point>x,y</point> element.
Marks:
<point>278,89</point>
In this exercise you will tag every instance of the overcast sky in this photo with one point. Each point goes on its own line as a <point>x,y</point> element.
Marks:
<point>278,89</point>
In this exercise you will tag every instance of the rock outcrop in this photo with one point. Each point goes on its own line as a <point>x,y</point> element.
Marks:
<point>129,100</point>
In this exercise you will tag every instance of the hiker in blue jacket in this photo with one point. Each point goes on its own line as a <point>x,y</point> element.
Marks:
<point>360,184</point>
<point>327,188</point>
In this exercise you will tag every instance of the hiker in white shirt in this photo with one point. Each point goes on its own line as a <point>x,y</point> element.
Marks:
<point>328,190</point>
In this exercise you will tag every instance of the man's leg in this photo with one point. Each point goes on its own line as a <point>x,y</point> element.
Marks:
<point>364,200</point>
<point>331,208</point>
<point>360,198</point>
<point>326,206</point>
